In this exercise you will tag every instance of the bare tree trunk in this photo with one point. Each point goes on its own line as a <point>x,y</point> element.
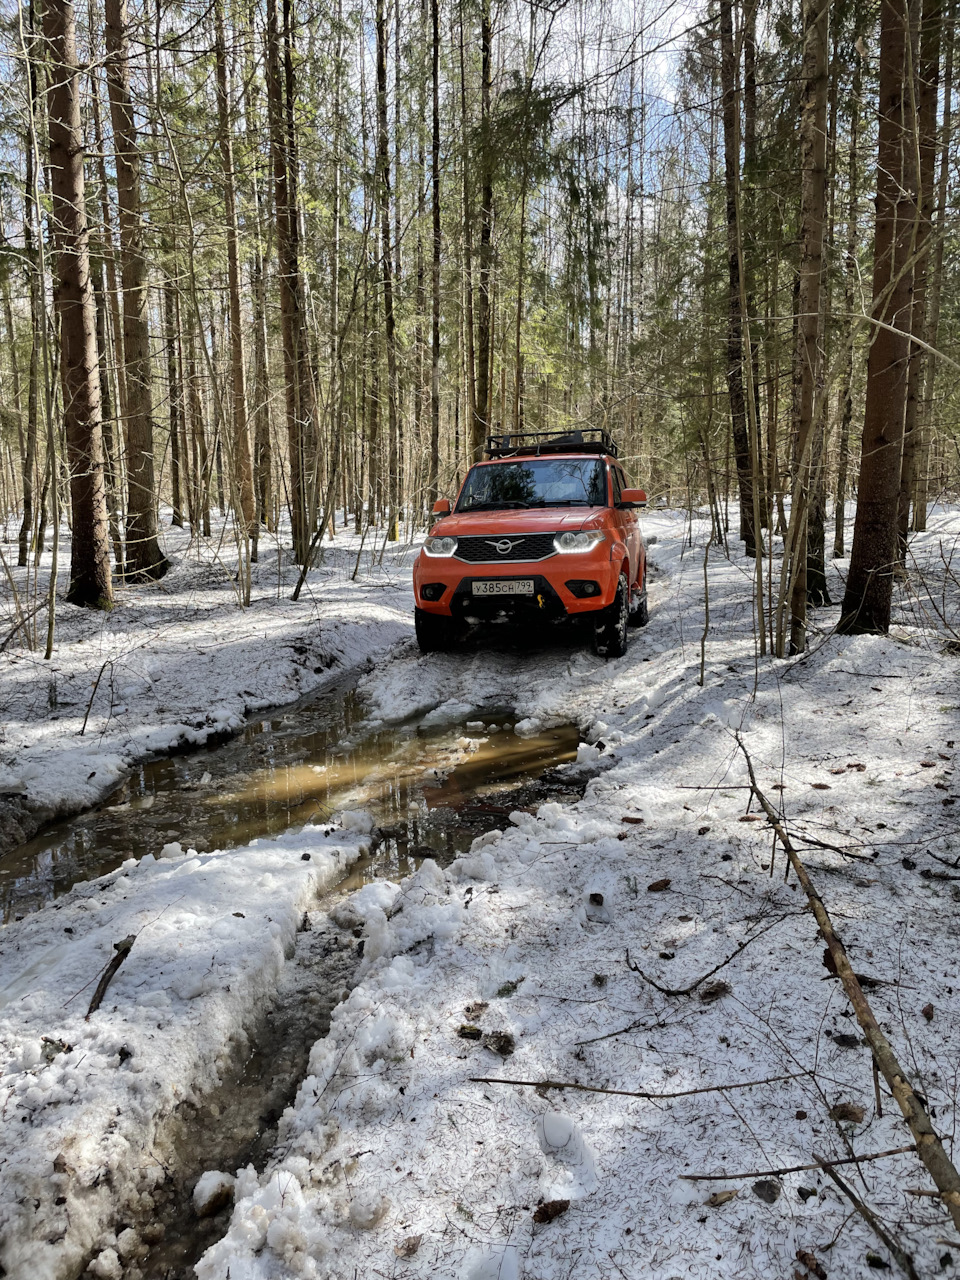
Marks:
<point>240,438</point>
<point>868,597</point>
<point>144,559</point>
<point>936,276</point>
<point>927,82</point>
<point>386,266</point>
<point>279,87</point>
<point>37,318</point>
<point>808,356</point>
<point>850,280</point>
<point>434,468</point>
<point>90,582</point>
<point>481,424</point>
<point>174,398</point>
<point>735,380</point>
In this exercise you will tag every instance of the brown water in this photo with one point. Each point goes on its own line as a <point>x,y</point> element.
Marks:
<point>298,766</point>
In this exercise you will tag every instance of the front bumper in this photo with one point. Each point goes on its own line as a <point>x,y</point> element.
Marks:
<point>551,597</point>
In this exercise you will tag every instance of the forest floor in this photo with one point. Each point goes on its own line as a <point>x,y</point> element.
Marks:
<point>408,1152</point>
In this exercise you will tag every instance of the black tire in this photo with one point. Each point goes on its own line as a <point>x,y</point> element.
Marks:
<point>435,634</point>
<point>640,614</point>
<point>610,628</point>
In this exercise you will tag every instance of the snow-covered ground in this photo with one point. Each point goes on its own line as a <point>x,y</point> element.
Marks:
<point>177,662</point>
<point>549,954</point>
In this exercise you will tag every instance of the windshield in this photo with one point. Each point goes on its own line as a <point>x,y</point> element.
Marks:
<point>535,482</point>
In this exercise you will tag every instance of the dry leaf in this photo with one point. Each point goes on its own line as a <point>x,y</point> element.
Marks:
<point>501,1042</point>
<point>714,991</point>
<point>549,1210</point>
<point>821,786</point>
<point>634,821</point>
<point>407,1248</point>
<point>658,886</point>
<point>751,817</point>
<point>928,764</point>
<point>468,1032</point>
<point>721,1197</point>
<point>927,1012</point>
<point>809,1260</point>
<point>767,1190</point>
<point>476,1010</point>
<point>847,1112</point>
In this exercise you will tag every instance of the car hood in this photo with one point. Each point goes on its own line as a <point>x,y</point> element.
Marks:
<point>516,520</point>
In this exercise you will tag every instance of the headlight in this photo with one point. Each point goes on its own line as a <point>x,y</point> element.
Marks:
<point>440,546</point>
<point>578,541</point>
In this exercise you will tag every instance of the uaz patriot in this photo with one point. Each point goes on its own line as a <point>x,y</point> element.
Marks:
<point>544,528</point>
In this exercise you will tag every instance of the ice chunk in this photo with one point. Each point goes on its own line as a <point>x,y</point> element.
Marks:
<point>356,820</point>
<point>172,850</point>
<point>367,1210</point>
<point>212,1193</point>
<point>106,1265</point>
<point>586,753</point>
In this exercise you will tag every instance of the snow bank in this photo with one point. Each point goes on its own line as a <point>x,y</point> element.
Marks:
<point>84,1101</point>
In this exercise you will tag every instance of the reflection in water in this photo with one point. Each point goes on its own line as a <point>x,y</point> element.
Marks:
<point>430,790</point>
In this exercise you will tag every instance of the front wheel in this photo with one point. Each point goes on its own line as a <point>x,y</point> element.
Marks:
<point>435,634</point>
<point>640,613</point>
<point>610,628</point>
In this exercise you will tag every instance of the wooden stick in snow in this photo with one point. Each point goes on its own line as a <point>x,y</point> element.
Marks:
<point>123,950</point>
<point>929,1147</point>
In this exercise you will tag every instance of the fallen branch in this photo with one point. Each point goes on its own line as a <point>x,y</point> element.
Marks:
<point>794,1168</point>
<point>929,1147</point>
<point>631,1093</point>
<point>871,1219</point>
<point>123,950</point>
<point>685,991</point>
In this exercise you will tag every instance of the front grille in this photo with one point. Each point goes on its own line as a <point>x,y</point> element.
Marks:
<point>516,547</point>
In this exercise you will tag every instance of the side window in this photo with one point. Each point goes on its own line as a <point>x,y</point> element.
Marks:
<point>617,486</point>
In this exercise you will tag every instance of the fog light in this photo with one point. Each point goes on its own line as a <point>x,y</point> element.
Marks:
<point>432,590</point>
<point>583,587</point>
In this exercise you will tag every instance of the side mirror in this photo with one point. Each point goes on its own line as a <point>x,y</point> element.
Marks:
<point>630,498</point>
<point>441,507</point>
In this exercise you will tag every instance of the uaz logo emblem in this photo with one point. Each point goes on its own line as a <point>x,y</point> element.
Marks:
<point>504,546</point>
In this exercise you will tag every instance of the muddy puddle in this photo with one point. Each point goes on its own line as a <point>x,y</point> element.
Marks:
<point>431,789</point>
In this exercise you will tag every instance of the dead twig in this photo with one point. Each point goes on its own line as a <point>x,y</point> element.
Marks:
<point>929,1147</point>
<point>794,1168</point>
<point>685,991</point>
<point>632,1093</point>
<point>123,950</point>
<point>871,1219</point>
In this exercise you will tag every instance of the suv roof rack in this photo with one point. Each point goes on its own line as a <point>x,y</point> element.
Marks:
<point>524,443</point>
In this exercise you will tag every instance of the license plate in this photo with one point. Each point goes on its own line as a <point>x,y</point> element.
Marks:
<point>504,587</point>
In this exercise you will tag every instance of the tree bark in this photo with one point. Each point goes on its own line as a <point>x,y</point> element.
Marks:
<point>386,267</point>
<point>144,559</point>
<point>808,355</point>
<point>927,83</point>
<point>279,87</point>
<point>240,438</point>
<point>481,425</point>
<point>735,379</point>
<point>437,243</point>
<point>936,275</point>
<point>90,582</point>
<point>868,597</point>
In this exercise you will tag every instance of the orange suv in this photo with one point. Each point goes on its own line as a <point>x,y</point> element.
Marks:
<point>543,529</point>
